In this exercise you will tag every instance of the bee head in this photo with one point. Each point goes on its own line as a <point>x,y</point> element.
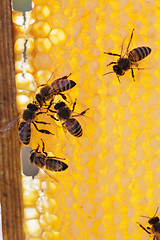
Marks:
<point>153,220</point>
<point>39,99</point>
<point>32,107</point>
<point>118,70</point>
<point>59,105</point>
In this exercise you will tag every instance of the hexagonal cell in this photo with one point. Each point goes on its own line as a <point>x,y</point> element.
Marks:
<point>30,212</point>
<point>42,61</point>
<point>18,18</point>
<point>57,36</point>
<point>23,100</point>
<point>48,188</point>
<point>25,82</point>
<point>41,12</point>
<point>32,227</point>
<point>43,45</point>
<point>27,66</point>
<point>52,235</point>
<point>40,29</point>
<point>42,76</point>
<point>48,221</point>
<point>46,204</point>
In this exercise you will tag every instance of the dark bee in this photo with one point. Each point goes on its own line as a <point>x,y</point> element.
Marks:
<point>56,87</point>
<point>28,117</point>
<point>155,226</point>
<point>64,114</point>
<point>130,61</point>
<point>43,161</point>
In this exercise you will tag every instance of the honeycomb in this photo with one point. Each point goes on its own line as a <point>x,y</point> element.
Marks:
<point>113,176</point>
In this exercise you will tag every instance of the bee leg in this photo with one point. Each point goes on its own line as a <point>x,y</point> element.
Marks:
<point>113,54</point>
<point>42,130</point>
<point>50,104</point>
<point>66,76</point>
<point>52,111</point>
<point>74,104</point>
<point>41,122</point>
<point>53,117</point>
<point>118,78</point>
<point>40,113</point>
<point>132,74</point>
<point>63,96</point>
<point>43,147</point>
<point>59,158</point>
<point>144,228</point>
<point>110,63</point>
<point>82,113</point>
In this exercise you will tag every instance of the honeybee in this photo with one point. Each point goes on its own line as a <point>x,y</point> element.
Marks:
<point>155,226</point>
<point>28,117</point>
<point>64,114</point>
<point>129,59</point>
<point>43,161</point>
<point>56,87</point>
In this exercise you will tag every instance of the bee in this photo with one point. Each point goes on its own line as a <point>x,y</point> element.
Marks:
<point>28,117</point>
<point>129,59</point>
<point>64,114</point>
<point>155,226</point>
<point>44,162</point>
<point>56,87</point>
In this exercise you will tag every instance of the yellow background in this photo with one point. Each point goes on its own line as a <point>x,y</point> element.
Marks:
<point>114,169</point>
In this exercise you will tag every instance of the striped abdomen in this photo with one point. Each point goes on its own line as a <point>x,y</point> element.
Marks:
<point>139,53</point>
<point>55,165</point>
<point>25,132</point>
<point>73,126</point>
<point>61,85</point>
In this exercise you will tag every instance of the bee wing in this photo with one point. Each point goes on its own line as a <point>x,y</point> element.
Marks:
<point>56,73</point>
<point>10,124</point>
<point>53,164</point>
<point>49,174</point>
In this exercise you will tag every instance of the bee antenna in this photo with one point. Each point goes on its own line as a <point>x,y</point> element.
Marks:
<point>144,216</point>
<point>107,73</point>
<point>156,211</point>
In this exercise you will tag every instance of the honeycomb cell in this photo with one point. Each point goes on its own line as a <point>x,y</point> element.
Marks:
<point>40,29</point>
<point>32,227</point>
<point>52,235</point>
<point>48,188</point>
<point>41,12</point>
<point>25,82</point>
<point>30,212</point>
<point>30,197</point>
<point>46,204</point>
<point>22,43</point>
<point>18,18</point>
<point>48,221</point>
<point>20,66</point>
<point>42,76</point>
<point>23,100</point>
<point>42,61</point>
<point>57,36</point>
<point>43,45</point>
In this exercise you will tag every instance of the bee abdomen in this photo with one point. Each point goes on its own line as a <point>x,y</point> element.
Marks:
<point>61,85</point>
<point>74,127</point>
<point>139,53</point>
<point>24,132</point>
<point>55,165</point>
